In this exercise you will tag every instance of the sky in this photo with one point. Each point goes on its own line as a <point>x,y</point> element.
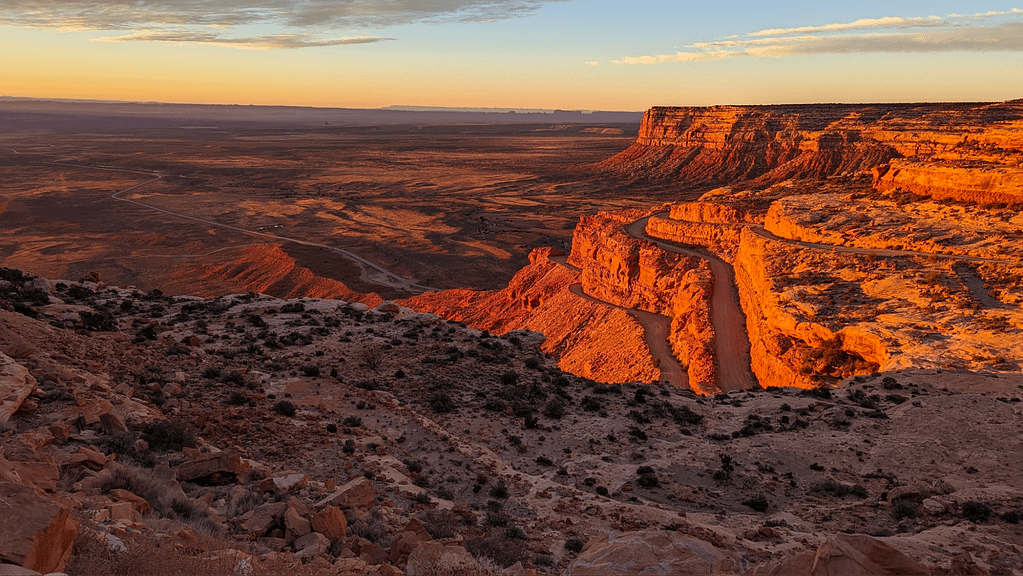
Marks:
<point>548,54</point>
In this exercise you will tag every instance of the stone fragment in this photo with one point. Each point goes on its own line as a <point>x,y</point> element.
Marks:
<point>36,533</point>
<point>411,536</point>
<point>16,384</point>
<point>296,525</point>
<point>284,484</point>
<point>933,506</point>
<point>441,558</point>
<point>331,523</point>
<point>356,494</point>
<point>263,518</point>
<point>310,545</point>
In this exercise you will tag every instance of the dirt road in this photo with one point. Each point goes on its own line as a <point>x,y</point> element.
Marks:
<point>731,341</point>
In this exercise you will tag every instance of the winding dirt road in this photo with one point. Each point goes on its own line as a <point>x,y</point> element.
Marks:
<point>731,340</point>
<point>656,328</point>
<point>370,272</point>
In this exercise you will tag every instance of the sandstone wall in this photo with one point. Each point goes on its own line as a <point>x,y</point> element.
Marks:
<point>760,145</point>
<point>779,339</point>
<point>986,184</point>
<point>589,339</point>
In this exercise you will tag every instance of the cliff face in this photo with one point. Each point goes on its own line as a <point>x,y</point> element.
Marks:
<point>589,339</point>
<point>759,145</point>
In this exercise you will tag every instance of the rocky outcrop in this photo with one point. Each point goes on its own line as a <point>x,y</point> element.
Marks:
<point>651,552</point>
<point>588,338</point>
<point>781,339</point>
<point>750,146</point>
<point>986,183</point>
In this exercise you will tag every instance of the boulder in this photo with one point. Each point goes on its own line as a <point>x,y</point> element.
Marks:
<point>331,523</point>
<point>862,555</point>
<point>440,557</point>
<point>311,545</point>
<point>650,552</point>
<point>411,536</point>
<point>263,518</point>
<point>356,494</point>
<point>36,533</point>
<point>296,525</point>
<point>16,384</point>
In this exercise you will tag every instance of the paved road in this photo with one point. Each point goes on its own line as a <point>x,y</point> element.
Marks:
<point>731,340</point>
<point>376,274</point>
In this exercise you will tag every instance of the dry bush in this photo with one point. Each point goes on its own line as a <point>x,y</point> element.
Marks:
<point>373,355</point>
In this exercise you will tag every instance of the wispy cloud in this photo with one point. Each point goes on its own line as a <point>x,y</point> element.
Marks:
<point>264,42</point>
<point>303,23</point>
<point>995,31</point>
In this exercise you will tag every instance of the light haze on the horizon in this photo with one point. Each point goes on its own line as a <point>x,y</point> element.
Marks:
<point>566,54</point>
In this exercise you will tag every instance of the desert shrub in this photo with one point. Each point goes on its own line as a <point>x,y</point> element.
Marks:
<point>976,512</point>
<point>515,533</point>
<point>168,435</point>
<point>510,378</point>
<point>544,461</point>
<point>602,490</point>
<point>284,408</point>
<point>442,403</point>
<point>98,321</point>
<point>211,372</point>
<point>500,490</point>
<point>236,398</point>
<point>1012,516</point>
<point>905,508</point>
<point>331,427</point>
<point>373,356</point>
<point>725,473</point>
<point>496,519</point>
<point>495,405</point>
<point>554,409</point>
<point>531,421</point>
<point>422,498</point>
<point>311,371</point>
<point>532,363</point>
<point>757,503</point>
<point>574,545</point>
<point>683,416</point>
<point>415,466</point>
<point>543,560</point>
<point>348,447</point>
<point>648,480</point>
<point>840,490</point>
<point>352,421</point>
<point>121,443</point>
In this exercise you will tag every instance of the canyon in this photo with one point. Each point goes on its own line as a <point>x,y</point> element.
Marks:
<point>739,340</point>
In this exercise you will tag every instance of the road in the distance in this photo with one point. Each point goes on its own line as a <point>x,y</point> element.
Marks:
<point>731,341</point>
<point>382,276</point>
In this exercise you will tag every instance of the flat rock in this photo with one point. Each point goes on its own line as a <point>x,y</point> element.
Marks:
<point>650,552</point>
<point>356,494</point>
